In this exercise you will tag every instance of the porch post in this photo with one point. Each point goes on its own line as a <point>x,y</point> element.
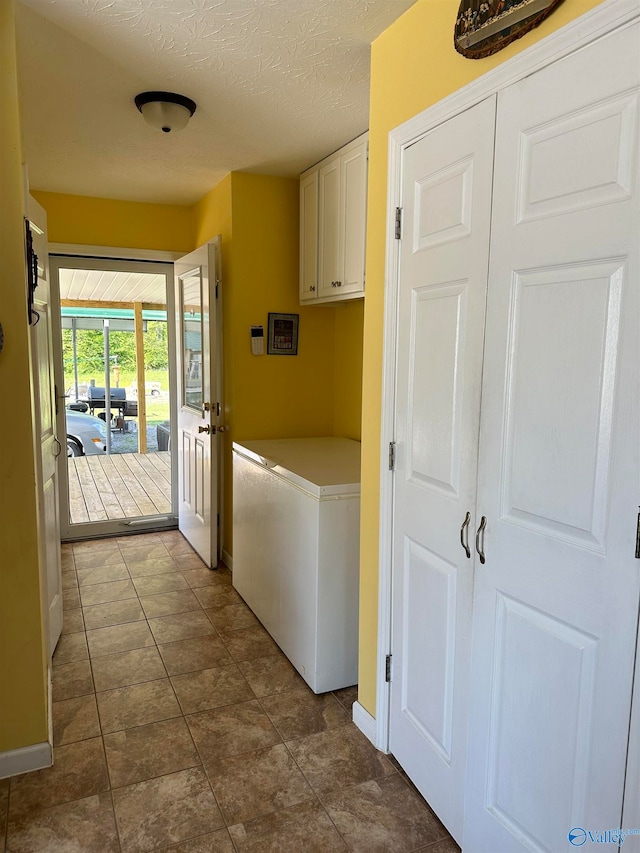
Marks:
<point>107,383</point>
<point>140,378</point>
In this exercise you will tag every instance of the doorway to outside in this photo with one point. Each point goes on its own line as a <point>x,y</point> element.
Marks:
<point>115,379</point>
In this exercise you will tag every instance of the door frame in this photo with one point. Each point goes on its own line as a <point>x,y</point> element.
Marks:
<point>48,539</point>
<point>97,257</point>
<point>609,16</point>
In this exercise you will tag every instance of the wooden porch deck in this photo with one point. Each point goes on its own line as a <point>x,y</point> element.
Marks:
<point>123,485</point>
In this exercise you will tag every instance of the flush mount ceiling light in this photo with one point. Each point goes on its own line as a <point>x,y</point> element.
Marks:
<point>165,111</point>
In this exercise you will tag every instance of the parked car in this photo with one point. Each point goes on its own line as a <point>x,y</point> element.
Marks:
<point>150,388</point>
<point>86,435</point>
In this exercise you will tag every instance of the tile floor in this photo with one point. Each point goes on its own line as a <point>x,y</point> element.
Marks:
<point>180,726</point>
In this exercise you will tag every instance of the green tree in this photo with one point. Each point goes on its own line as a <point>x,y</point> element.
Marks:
<point>156,345</point>
<point>122,351</point>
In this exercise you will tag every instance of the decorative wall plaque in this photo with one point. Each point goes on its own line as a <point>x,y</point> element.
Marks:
<point>484,27</point>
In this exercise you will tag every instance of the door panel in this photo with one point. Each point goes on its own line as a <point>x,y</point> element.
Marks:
<point>329,227</point>
<point>556,603</point>
<point>435,399</point>
<point>353,203</point>
<point>429,617</point>
<point>196,276</point>
<point>555,479</point>
<point>579,160</point>
<point>559,660</point>
<point>309,236</point>
<point>443,279</point>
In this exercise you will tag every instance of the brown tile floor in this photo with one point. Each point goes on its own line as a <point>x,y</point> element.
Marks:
<point>180,726</point>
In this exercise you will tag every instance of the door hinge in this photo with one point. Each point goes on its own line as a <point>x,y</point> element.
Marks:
<point>398,223</point>
<point>218,283</point>
<point>392,455</point>
<point>218,409</point>
<point>387,669</point>
<point>638,538</point>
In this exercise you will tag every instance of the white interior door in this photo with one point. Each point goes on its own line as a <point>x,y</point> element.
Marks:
<point>45,419</point>
<point>443,281</point>
<point>198,403</point>
<point>556,603</point>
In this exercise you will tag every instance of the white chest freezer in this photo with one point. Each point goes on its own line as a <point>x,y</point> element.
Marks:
<point>296,528</point>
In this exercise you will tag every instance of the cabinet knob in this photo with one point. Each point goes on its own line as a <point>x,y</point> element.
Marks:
<point>312,288</point>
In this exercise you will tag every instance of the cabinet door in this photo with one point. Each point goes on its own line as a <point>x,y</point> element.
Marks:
<point>556,603</point>
<point>309,237</point>
<point>444,259</point>
<point>329,228</point>
<point>353,226</point>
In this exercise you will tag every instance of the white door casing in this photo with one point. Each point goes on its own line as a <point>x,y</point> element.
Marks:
<point>443,281</point>
<point>556,603</point>
<point>48,448</point>
<point>196,323</point>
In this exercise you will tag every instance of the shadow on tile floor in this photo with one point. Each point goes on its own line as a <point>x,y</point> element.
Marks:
<point>180,726</point>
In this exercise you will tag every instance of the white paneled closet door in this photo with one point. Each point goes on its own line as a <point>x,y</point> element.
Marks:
<point>556,603</point>
<point>443,282</point>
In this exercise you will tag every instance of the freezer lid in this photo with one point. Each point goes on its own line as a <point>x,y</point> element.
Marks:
<point>323,466</point>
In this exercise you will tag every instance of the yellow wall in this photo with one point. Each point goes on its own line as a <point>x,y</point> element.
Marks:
<point>265,396</point>
<point>107,222</point>
<point>316,393</point>
<point>347,374</point>
<point>413,66</point>
<point>23,672</point>
<point>274,395</point>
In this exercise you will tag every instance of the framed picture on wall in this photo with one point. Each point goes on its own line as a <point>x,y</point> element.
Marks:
<point>282,337</point>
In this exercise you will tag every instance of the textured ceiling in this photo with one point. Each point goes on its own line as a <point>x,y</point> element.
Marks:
<point>279,84</point>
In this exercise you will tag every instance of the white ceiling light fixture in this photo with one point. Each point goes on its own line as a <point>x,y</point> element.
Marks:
<point>165,111</point>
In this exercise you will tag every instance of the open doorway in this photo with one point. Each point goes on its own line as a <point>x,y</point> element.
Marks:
<point>115,381</point>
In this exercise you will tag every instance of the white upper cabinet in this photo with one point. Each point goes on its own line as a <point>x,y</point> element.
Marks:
<point>309,236</point>
<point>333,221</point>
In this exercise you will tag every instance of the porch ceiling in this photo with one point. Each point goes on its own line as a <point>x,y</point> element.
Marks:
<point>278,83</point>
<point>108,286</point>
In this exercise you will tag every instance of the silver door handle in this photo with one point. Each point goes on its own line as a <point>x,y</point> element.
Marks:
<point>480,533</point>
<point>59,446</point>
<point>464,535</point>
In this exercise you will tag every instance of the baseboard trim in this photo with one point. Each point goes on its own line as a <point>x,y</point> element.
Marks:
<point>365,722</point>
<point>227,559</point>
<point>34,757</point>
